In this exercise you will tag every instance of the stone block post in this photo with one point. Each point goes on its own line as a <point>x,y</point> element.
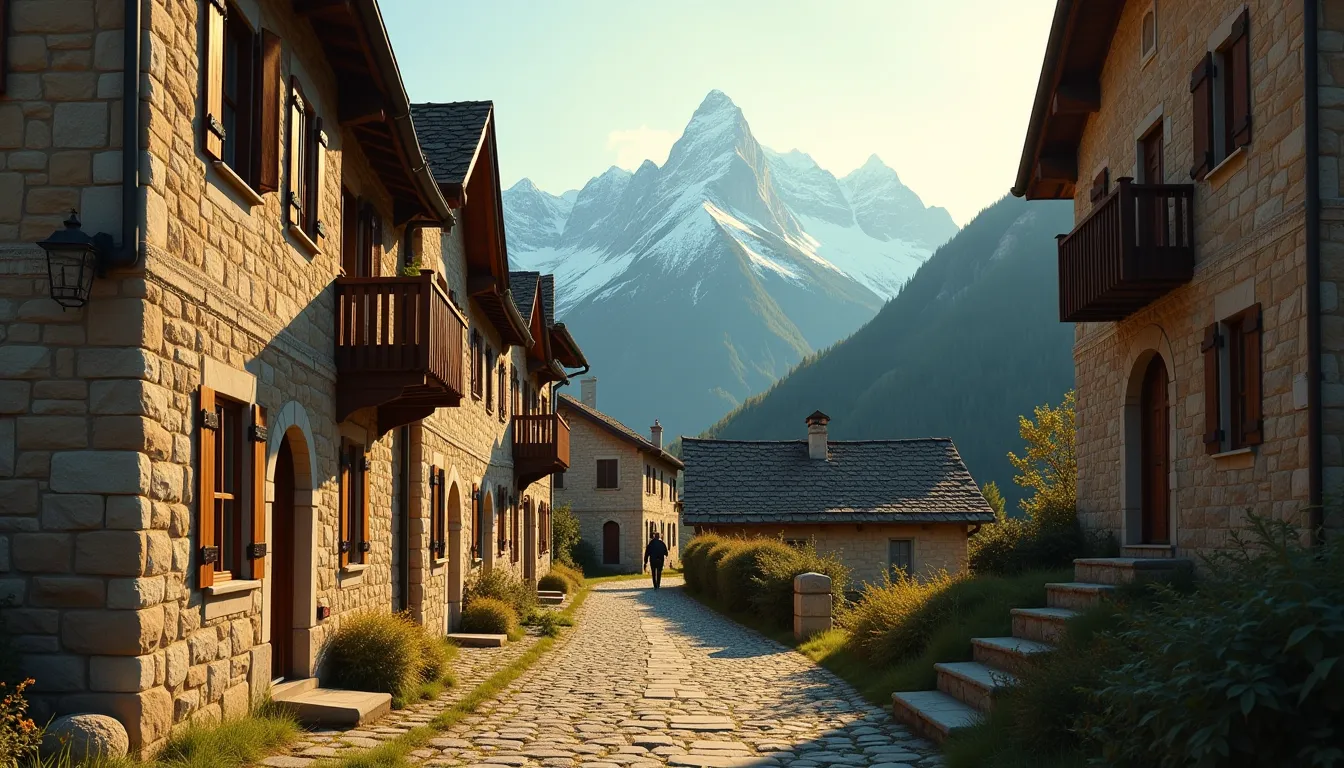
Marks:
<point>811,604</point>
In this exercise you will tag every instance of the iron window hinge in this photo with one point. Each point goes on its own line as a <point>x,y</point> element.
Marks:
<point>256,551</point>
<point>209,555</point>
<point>345,547</point>
<point>367,465</point>
<point>258,433</point>
<point>209,419</point>
<point>216,127</point>
<point>365,546</point>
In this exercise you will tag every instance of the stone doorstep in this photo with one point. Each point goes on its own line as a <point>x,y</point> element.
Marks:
<point>932,714</point>
<point>1011,654</point>
<point>1076,595</point>
<point>973,683</point>
<point>1122,570</point>
<point>338,709</point>
<point>290,688</point>
<point>1044,625</point>
<point>469,640</point>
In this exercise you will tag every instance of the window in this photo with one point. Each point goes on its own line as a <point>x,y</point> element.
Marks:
<point>503,393</point>
<point>1101,185</point>
<point>672,491</point>
<point>544,523</point>
<point>241,124</point>
<point>1148,33</point>
<point>515,541</point>
<point>488,363</point>
<point>354,512</point>
<point>606,473</point>
<point>307,165</point>
<point>1221,89</point>
<point>900,555</point>
<point>558,480</point>
<point>516,394</point>
<point>502,523</point>
<point>477,366</point>
<point>1232,393</point>
<point>231,515</point>
<point>361,237</point>
<point>438,506</point>
<point>662,485</point>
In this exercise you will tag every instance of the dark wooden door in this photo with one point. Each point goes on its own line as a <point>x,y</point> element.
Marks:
<point>1156,214</point>
<point>282,564</point>
<point>1154,455</point>
<point>611,544</point>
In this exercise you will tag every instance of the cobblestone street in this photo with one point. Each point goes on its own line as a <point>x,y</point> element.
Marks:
<point>653,678</point>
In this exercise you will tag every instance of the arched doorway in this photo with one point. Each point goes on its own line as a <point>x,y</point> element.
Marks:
<point>611,543</point>
<point>282,564</point>
<point>1154,455</point>
<point>455,557</point>
<point>485,538</point>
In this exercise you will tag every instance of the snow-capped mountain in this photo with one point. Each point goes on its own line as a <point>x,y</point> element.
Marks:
<point>694,285</point>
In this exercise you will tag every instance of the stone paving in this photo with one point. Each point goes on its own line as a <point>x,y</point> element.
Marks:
<point>651,679</point>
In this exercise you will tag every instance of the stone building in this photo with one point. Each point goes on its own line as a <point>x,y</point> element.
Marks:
<point>224,443</point>
<point>621,485</point>
<point>1200,143</point>
<point>878,505</point>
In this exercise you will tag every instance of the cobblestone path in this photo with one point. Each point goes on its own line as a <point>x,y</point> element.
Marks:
<point>651,679</point>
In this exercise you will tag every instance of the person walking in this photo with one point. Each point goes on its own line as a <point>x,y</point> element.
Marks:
<point>654,554</point>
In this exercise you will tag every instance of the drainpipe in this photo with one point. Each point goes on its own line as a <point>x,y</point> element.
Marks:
<point>1315,499</point>
<point>128,255</point>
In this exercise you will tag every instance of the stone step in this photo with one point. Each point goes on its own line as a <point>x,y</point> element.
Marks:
<point>1010,654</point>
<point>557,598</point>
<point>1076,595</point>
<point>291,688</point>
<point>1044,625</point>
<point>1124,570</point>
<point>550,593</point>
<point>932,714</point>
<point>470,640</point>
<point>332,708</point>
<point>972,683</point>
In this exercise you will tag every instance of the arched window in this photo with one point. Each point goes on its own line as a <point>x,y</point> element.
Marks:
<point>611,543</point>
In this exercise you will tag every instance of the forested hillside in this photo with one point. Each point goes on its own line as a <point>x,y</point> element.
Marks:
<point>972,341</point>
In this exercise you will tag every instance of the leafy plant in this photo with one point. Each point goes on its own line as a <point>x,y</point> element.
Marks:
<point>490,616</point>
<point>499,584</point>
<point>411,269</point>
<point>553,582</point>
<point>19,735</point>
<point>771,593</point>
<point>549,622</point>
<point>570,574</point>
<point>565,535</point>
<point>374,651</point>
<point>994,497</point>
<point>1049,466</point>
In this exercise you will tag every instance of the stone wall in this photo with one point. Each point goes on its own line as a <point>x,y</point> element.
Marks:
<point>1330,71</point>
<point>1250,247</point>
<point>864,549</point>
<point>628,505</point>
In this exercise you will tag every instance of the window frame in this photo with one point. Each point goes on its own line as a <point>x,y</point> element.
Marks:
<point>1148,54</point>
<point>1234,375</point>
<point>615,472</point>
<point>503,384</point>
<point>230,541</point>
<point>892,546</point>
<point>477,365</point>
<point>229,533</point>
<point>354,545</point>
<point>240,139</point>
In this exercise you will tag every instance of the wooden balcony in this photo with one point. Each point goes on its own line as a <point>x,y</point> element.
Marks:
<point>398,348</point>
<point>540,447</point>
<point>1135,246</point>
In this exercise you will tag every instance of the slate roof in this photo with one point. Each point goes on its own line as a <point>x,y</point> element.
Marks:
<point>548,298</point>
<point>450,135</point>
<point>618,429</point>
<point>523,286</point>
<point>870,481</point>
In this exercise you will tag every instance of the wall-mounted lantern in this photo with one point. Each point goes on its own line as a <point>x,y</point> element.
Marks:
<point>73,259</point>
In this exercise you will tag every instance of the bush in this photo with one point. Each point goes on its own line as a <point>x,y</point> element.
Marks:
<point>499,584</point>
<point>585,557</point>
<point>231,744</point>
<point>553,582</point>
<point>19,735</point>
<point>1242,672</point>
<point>489,616</point>
<point>564,536</point>
<point>692,560</point>
<point>549,622</point>
<point>570,574</point>
<point>738,570</point>
<point>435,653</point>
<point>772,582</point>
<point>375,651</point>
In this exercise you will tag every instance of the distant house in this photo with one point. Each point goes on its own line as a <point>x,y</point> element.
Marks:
<point>878,505</point>
<point>621,485</point>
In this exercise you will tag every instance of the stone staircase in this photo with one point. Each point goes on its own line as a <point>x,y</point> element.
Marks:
<point>967,689</point>
<point>330,708</point>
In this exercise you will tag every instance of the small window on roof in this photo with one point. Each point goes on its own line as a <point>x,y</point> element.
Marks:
<point>1148,32</point>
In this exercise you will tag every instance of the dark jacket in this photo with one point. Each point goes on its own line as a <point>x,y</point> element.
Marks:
<point>655,552</point>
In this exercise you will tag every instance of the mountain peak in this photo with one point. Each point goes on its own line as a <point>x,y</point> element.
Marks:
<point>874,166</point>
<point>715,101</point>
<point>523,185</point>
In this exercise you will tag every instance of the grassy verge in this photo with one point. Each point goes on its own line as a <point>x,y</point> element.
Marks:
<point>590,580</point>
<point>393,754</point>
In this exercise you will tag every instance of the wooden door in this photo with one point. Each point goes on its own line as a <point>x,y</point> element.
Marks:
<point>1156,216</point>
<point>611,543</point>
<point>1154,455</point>
<point>282,564</point>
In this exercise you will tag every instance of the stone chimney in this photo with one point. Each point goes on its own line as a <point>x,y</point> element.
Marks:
<point>588,391</point>
<point>816,435</point>
<point>656,435</point>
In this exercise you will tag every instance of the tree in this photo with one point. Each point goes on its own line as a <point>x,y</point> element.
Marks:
<point>565,534</point>
<point>1049,467</point>
<point>994,498</point>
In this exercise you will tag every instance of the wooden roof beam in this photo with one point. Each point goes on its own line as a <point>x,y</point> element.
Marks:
<point>312,7</point>
<point>1057,168</point>
<point>481,283</point>
<point>1076,98</point>
<point>361,103</point>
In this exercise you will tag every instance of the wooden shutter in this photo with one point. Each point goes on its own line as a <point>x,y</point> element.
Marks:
<point>475,520</point>
<point>257,552</point>
<point>317,228</point>
<point>365,542</point>
<point>1238,59</point>
<point>343,509</point>
<point>212,126</point>
<point>296,142</point>
<point>1201,88</point>
<point>1101,185</point>
<point>268,113</point>
<point>208,426</point>
<point>434,491</point>
<point>1213,433</point>
<point>1252,422</point>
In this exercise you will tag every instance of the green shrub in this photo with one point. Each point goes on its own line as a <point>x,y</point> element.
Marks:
<point>374,651</point>
<point>692,561</point>
<point>489,616</point>
<point>553,582</point>
<point>585,557</point>
<point>570,574</point>
<point>435,653</point>
<point>499,584</point>
<point>1014,545</point>
<point>1242,672</point>
<point>19,735</point>
<point>717,550</point>
<point>739,569</point>
<point>564,536</point>
<point>772,581</point>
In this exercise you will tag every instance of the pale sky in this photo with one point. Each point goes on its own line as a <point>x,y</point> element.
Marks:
<point>941,91</point>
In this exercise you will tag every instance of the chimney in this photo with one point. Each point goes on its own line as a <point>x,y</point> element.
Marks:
<point>656,435</point>
<point>816,435</point>
<point>588,391</point>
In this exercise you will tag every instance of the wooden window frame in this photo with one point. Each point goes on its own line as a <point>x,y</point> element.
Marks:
<point>503,383</point>
<point>1146,54</point>
<point>909,566</point>
<point>354,545</point>
<point>223,554</point>
<point>615,465</point>
<point>1222,99</point>
<point>515,525</point>
<point>487,372</point>
<point>307,144</point>
<point>477,365</point>
<point>477,523</point>
<point>438,505</point>
<point>1233,382</point>
<point>501,523</point>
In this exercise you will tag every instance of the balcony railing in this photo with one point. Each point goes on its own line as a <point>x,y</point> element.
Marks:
<point>398,348</point>
<point>540,446</point>
<point>1134,247</point>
